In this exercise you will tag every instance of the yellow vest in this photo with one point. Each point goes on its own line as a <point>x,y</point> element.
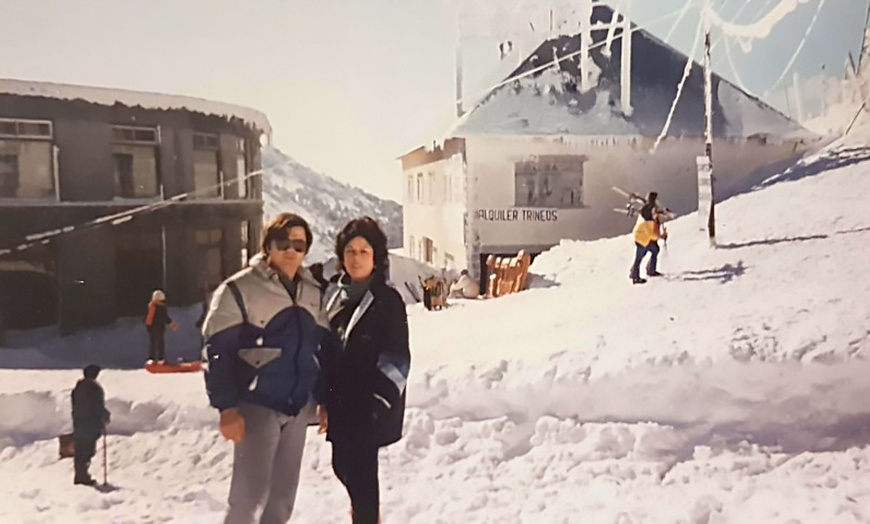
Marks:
<point>645,231</point>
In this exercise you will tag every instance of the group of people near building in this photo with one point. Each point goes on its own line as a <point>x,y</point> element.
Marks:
<point>285,348</point>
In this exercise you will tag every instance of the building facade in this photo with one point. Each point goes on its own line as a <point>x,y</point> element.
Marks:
<point>71,156</point>
<point>535,161</point>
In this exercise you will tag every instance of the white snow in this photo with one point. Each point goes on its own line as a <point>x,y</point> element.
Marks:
<point>836,119</point>
<point>109,97</point>
<point>733,390</point>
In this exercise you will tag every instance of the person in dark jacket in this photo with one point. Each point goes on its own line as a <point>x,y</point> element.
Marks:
<point>156,322</point>
<point>90,417</point>
<point>366,366</point>
<point>263,334</point>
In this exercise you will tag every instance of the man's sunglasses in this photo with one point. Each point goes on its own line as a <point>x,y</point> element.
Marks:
<point>286,243</point>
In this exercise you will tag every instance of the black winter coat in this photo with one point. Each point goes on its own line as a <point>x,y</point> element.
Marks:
<point>89,411</point>
<point>366,374</point>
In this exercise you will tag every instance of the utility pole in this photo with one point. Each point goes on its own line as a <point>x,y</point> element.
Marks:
<point>705,163</point>
<point>625,60</point>
<point>458,63</point>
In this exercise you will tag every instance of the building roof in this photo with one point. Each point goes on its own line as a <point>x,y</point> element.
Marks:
<point>550,102</point>
<point>109,97</point>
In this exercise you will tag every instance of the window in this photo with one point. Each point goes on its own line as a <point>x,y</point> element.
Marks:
<point>134,152</point>
<point>209,243</point>
<point>207,176</point>
<point>432,193</point>
<point>420,187</point>
<point>135,135</point>
<point>550,181</point>
<point>205,141</point>
<point>242,168</point>
<point>26,166</point>
<point>448,189</point>
<point>426,247</point>
<point>245,243</point>
<point>410,188</point>
<point>26,169</point>
<point>412,247</point>
<point>26,129</point>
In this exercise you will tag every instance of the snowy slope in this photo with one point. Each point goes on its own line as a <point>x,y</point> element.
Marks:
<point>326,203</point>
<point>733,390</point>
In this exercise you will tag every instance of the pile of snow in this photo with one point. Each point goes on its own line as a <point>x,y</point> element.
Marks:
<point>835,121</point>
<point>327,204</point>
<point>732,390</point>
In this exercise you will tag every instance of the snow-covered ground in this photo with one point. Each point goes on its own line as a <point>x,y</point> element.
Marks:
<point>835,121</point>
<point>732,390</point>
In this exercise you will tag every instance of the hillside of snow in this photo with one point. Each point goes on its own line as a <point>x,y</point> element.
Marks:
<point>326,203</point>
<point>733,390</point>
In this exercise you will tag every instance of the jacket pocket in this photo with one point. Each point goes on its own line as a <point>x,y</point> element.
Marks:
<point>259,357</point>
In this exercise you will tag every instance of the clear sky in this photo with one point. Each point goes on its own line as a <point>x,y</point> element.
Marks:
<point>348,85</point>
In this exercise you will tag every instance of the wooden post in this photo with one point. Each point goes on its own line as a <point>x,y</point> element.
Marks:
<point>708,121</point>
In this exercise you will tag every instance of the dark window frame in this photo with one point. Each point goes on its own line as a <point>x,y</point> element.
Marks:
<point>7,131</point>
<point>538,177</point>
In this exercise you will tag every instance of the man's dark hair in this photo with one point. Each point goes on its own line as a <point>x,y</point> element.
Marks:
<point>369,229</point>
<point>279,228</point>
<point>91,371</point>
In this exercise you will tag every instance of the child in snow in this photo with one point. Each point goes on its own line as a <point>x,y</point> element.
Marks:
<point>156,322</point>
<point>90,417</point>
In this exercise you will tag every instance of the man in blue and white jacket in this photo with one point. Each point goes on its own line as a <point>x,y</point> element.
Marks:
<point>262,334</point>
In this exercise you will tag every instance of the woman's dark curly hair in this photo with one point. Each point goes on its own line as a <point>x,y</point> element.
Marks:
<point>369,229</point>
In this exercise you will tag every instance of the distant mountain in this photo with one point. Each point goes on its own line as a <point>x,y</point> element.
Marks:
<point>326,203</point>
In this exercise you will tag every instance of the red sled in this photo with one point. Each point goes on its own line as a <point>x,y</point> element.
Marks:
<point>173,367</point>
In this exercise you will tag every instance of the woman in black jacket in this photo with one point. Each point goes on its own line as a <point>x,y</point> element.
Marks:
<point>367,365</point>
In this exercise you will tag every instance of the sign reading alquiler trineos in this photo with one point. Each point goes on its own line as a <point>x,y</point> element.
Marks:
<point>518,215</point>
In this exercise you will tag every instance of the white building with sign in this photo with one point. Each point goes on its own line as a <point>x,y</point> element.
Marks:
<point>534,162</point>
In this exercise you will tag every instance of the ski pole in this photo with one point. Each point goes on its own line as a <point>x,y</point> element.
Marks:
<point>105,461</point>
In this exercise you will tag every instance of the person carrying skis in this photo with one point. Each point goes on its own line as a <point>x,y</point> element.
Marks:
<point>646,233</point>
<point>263,332</point>
<point>156,322</point>
<point>90,417</point>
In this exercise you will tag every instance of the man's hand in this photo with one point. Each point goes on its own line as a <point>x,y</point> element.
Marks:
<point>174,326</point>
<point>232,425</point>
<point>323,417</point>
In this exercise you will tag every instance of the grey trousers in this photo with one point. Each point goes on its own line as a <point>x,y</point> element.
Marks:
<point>266,465</point>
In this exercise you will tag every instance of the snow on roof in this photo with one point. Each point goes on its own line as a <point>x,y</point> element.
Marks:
<point>109,97</point>
<point>549,101</point>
